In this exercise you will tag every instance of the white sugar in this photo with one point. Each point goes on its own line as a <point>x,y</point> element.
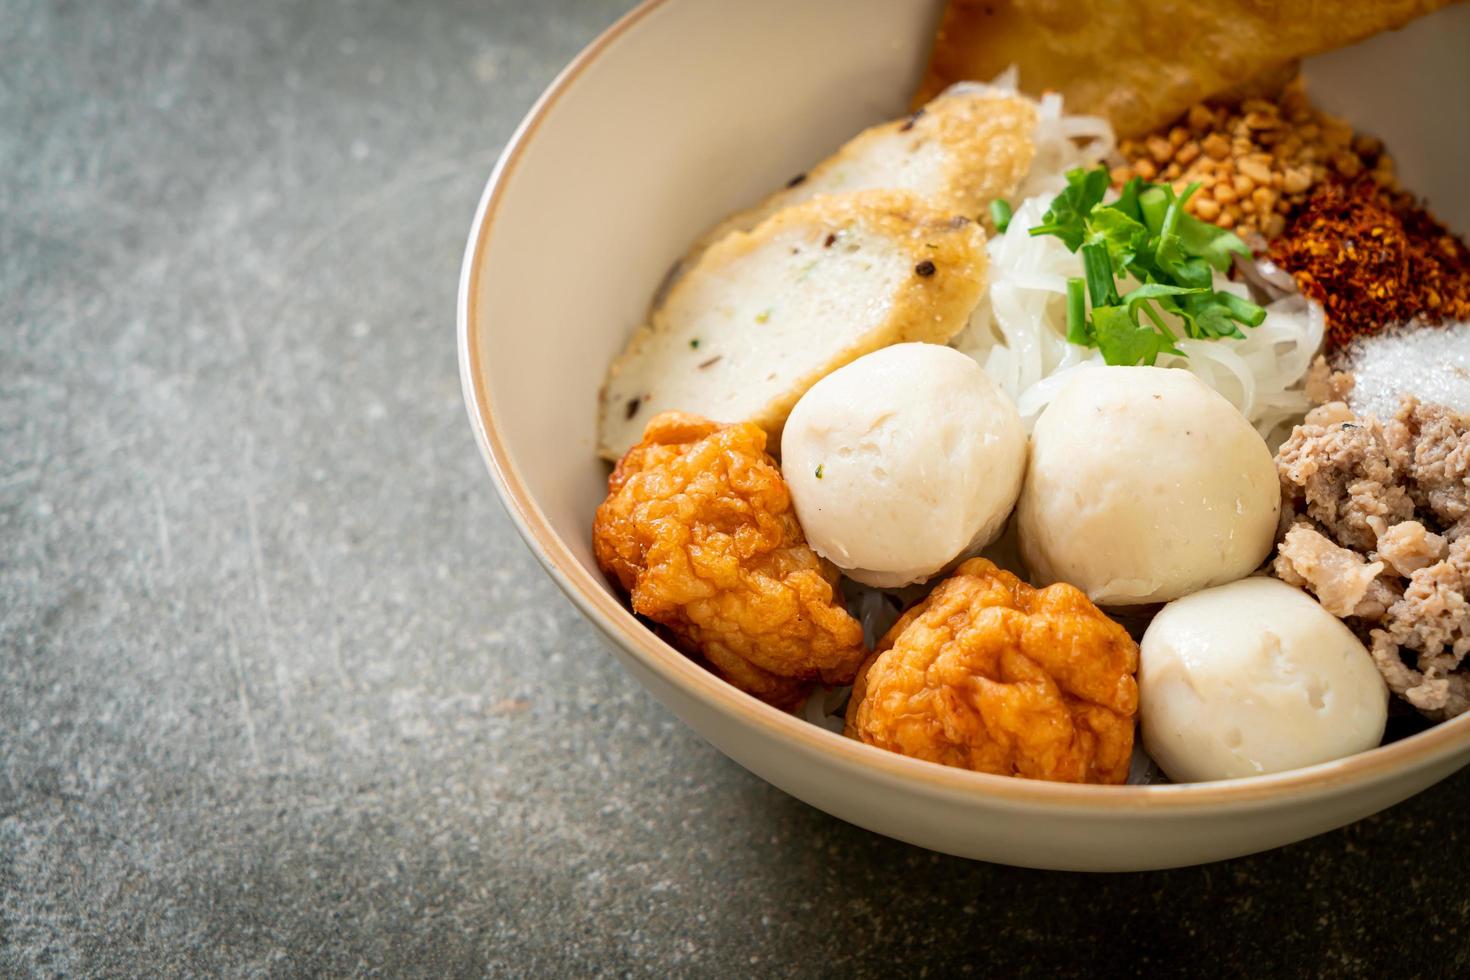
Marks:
<point>1432,363</point>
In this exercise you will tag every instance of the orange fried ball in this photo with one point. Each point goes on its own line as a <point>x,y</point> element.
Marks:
<point>992,675</point>
<point>698,528</point>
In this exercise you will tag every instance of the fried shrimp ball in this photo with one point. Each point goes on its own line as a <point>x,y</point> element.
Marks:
<point>698,528</point>
<point>992,675</point>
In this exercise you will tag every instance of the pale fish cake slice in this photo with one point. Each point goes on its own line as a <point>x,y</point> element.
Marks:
<point>959,152</point>
<point>764,315</point>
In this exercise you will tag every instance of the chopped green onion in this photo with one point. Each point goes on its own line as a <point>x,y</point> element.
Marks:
<point>1000,213</point>
<point>1153,204</point>
<point>1099,269</point>
<point>1242,309</point>
<point>1076,313</point>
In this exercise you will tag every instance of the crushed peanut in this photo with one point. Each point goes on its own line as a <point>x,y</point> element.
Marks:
<point>1257,163</point>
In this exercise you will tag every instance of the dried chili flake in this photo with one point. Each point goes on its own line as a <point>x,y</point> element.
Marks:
<point>1373,258</point>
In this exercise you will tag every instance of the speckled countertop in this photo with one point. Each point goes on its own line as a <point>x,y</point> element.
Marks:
<point>282,693</point>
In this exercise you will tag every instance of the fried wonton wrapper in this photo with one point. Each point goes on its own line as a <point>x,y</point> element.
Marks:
<point>990,674</point>
<point>698,528</point>
<point>1141,63</point>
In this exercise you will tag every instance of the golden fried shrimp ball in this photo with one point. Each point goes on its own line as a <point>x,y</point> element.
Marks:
<point>698,528</point>
<point>992,675</point>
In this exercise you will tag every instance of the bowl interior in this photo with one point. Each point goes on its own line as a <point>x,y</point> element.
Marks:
<point>688,110</point>
<point>1408,88</point>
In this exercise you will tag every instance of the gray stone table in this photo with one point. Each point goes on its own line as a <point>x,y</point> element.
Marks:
<point>282,693</point>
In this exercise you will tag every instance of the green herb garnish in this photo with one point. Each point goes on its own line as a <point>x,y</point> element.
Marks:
<point>1067,216</point>
<point>694,343</point>
<point>1000,213</point>
<point>1173,256</point>
<point>819,471</point>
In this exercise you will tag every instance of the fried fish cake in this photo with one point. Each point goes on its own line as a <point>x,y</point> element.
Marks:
<point>698,528</point>
<point>990,674</point>
<point>1144,62</point>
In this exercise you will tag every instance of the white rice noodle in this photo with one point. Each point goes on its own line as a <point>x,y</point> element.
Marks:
<point>1063,143</point>
<point>1018,334</point>
<point>825,707</point>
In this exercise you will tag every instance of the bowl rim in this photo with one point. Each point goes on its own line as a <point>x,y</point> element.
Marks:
<point>617,623</point>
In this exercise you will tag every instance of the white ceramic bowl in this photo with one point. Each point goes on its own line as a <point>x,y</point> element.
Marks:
<point>687,109</point>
